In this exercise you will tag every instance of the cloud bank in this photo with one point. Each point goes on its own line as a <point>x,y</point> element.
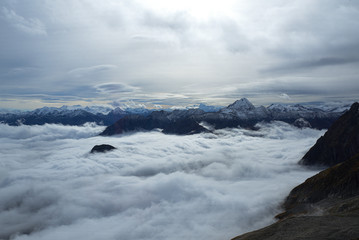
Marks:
<point>153,186</point>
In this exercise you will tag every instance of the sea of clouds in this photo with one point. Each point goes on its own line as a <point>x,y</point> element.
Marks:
<point>153,186</point>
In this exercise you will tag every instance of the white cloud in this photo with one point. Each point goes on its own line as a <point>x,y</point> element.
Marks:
<point>49,132</point>
<point>284,96</point>
<point>115,88</point>
<point>88,71</point>
<point>153,186</point>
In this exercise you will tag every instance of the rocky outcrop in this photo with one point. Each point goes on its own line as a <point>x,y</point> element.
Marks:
<point>339,143</point>
<point>102,148</point>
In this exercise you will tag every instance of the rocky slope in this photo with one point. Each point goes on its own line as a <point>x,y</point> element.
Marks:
<point>340,142</point>
<point>325,206</point>
<point>329,186</point>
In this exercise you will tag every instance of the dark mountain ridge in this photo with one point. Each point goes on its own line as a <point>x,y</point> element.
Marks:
<point>241,113</point>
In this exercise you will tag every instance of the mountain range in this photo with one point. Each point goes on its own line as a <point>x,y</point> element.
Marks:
<point>78,115</point>
<point>178,121</point>
<point>240,113</point>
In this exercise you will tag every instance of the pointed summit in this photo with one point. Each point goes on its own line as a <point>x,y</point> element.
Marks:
<point>242,105</point>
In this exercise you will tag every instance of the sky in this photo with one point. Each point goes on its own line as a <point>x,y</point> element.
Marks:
<point>205,186</point>
<point>175,53</point>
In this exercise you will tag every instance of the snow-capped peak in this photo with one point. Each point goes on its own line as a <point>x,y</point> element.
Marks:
<point>242,105</point>
<point>288,108</point>
<point>118,110</point>
<point>46,110</point>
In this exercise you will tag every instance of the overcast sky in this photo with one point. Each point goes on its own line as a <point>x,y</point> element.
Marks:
<point>177,52</point>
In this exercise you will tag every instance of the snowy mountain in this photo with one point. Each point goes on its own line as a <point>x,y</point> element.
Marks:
<point>208,108</point>
<point>68,115</point>
<point>244,109</point>
<point>240,113</point>
<point>242,105</point>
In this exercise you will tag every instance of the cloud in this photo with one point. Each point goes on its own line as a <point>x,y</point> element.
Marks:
<point>31,25</point>
<point>153,186</point>
<point>115,88</point>
<point>310,64</point>
<point>284,96</point>
<point>89,71</point>
<point>303,36</point>
<point>49,132</point>
<point>164,48</point>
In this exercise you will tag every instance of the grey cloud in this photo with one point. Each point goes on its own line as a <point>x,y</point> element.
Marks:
<point>78,45</point>
<point>115,88</point>
<point>210,186</point>
<point>284,96</point>
<point>30,25</point>
<point>89,71</point>
<point>175,22</point>
<point>309,36</point>
<point>309,64</point>
<point>233,36</point>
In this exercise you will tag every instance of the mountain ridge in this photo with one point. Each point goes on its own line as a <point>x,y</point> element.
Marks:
<point>241,113</point>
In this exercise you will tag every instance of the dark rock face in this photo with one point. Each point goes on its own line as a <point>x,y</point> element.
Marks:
<point>102,148</point>
<point>331,227</point>
<point>160,119</point>
<point>184,126</point>
<point>339,143</point>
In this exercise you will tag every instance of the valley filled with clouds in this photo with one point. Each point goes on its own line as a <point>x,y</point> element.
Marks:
<point>153,186</point>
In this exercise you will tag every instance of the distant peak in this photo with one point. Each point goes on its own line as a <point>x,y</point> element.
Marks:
<point>242,104</point>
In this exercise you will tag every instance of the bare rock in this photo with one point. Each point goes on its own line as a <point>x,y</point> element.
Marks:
<point>102,148</point>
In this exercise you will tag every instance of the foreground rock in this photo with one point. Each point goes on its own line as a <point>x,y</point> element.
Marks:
<point>102,148</point>
<point>339,143</point>
<point>325,227</point>
<point>333,184</point>
<point>325,206</point>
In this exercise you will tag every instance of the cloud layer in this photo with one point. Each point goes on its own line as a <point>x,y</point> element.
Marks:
<point>153,186</point>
